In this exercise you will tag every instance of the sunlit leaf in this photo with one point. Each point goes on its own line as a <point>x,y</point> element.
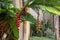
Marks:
<point>53,10</point>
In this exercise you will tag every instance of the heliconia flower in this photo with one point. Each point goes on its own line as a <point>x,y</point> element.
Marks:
<point>17,21</point>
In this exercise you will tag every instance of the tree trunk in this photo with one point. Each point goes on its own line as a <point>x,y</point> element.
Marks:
<point>27,30</point>
<point>56,25</point>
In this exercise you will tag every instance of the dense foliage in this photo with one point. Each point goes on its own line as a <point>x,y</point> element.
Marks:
<point>51,6</point>
<point>7,12</point>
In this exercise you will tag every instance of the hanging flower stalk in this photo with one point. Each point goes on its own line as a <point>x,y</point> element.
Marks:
<point>38,22</point>
<point>18,20</point>
<point>18,14</point>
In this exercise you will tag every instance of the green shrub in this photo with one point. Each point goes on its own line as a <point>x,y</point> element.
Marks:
<point>49,33</point>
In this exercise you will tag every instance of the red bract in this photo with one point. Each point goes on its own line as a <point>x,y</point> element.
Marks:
<point>17,21</point>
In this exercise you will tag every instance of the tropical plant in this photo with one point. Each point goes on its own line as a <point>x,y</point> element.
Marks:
<point>8,16</point>
<point>49,33</point>
<point>51,6</point>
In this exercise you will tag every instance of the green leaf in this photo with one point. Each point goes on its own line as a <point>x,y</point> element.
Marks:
<point>30,18</point>
<point>53,10</point>
<point>42,7</point>
<point>14,29</point>
<point>57,7</point>
<point>0,10</point>
<point>13,12</point>
<point>50,9</point>
<point>48,2</point>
